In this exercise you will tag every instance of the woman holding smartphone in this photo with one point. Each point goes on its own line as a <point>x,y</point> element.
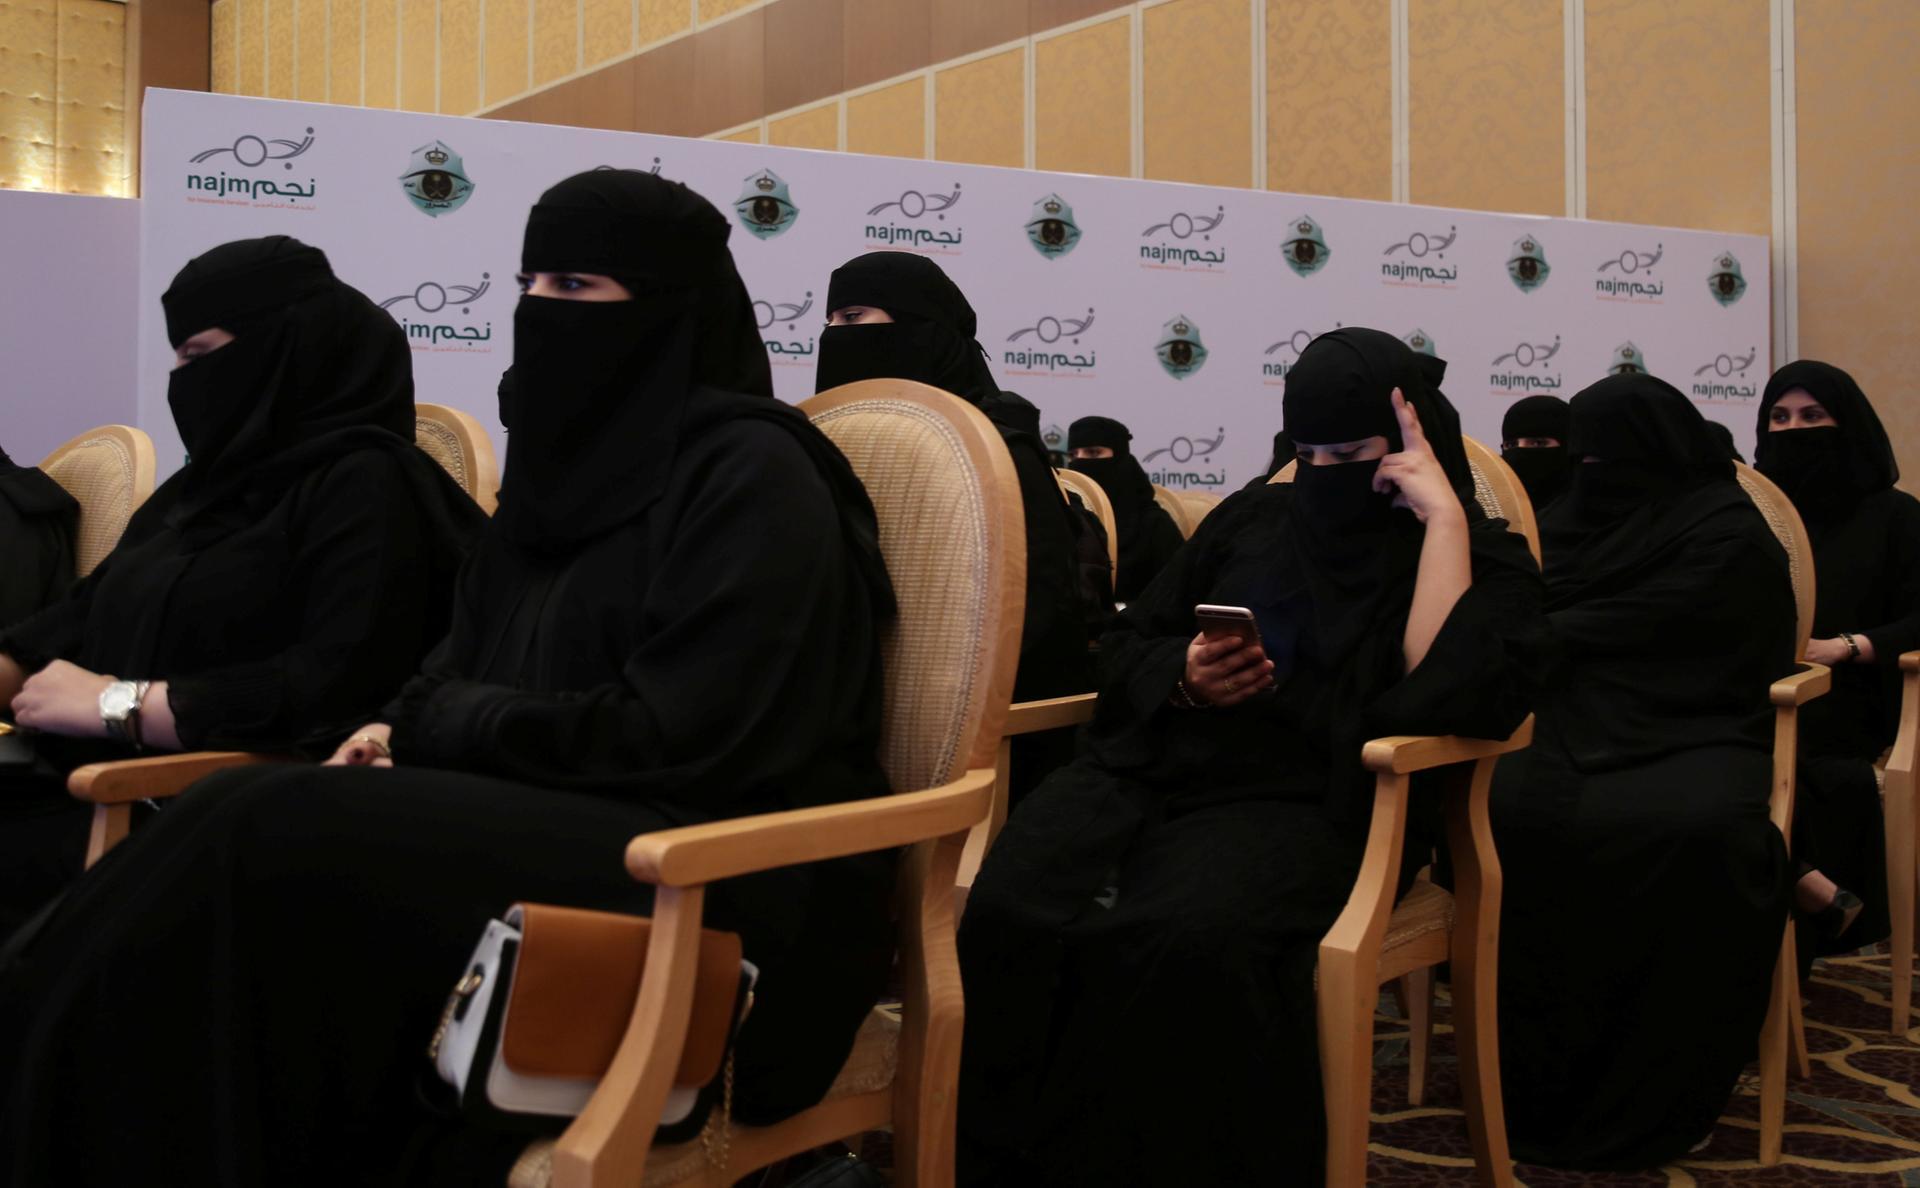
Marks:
<point>1139,948</point>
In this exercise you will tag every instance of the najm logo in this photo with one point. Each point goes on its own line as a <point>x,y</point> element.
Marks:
<point>765,206</point>
<point>1051,229</point>
<point>1179,349</point>
<point>436,180</point>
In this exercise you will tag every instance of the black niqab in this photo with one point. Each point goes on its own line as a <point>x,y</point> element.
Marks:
<point>1829,469</point>
<point>315,371</point>
<point>1543,470</point>
<point>931,337</point>
<point>1148,536</point>
<point>1656,470</point>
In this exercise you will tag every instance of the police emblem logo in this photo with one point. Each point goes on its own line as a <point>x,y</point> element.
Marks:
<point>1051,228</point>
<point>1726,282</point>
<point>1180,350</point>
<point>436,180</point>
<point>1527,265</point>
<point>1627,360</point>
<point>1305,250</point>
<point>765,206</point>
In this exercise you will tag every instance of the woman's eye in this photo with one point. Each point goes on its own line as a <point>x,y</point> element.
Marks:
<point>1346,455</point>
<point>525,282</point>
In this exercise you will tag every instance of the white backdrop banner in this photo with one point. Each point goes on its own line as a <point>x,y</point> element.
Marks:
<point>1177,309</point>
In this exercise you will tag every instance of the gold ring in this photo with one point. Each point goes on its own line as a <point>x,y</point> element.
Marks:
<point>1230,685</point>
<point>385,753</point>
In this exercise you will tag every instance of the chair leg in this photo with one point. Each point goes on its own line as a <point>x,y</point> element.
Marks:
<point>1346,1005</point>
<point>1416,995</point>
<point>1773,1055</point>
<point>1476,1042</point>
<point>983,834</point>
<point>1796,1016</point>
<point>1900,824</point>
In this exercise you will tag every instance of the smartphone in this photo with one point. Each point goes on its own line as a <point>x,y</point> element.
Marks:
<point>1218,621</point>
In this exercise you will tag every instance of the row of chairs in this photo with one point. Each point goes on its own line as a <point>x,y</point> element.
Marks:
<point>937,472</point>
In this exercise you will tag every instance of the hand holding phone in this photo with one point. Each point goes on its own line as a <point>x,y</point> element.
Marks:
<point>1225,662</point>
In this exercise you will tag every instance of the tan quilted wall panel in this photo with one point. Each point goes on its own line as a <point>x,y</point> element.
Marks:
<point>556,39</point>
<point>90,145</point>
<point>1486,121</point>
<point>1330,98</point>
<point>419,55</point>
<point>28,94</point>
<point>980,111</point>
<point>664,18</point>
<point>1678,118</point>
<point>507,51</point>
<point>221,62</point>
<point>279,33</point>
<point>252,19</point>
<point>382,19</point>
<point>816,129</point>
<point>311,57</point>
<point>889,122</point>
<point>1197,92</point>
<point>1082,110</point>
<point>607,27</point>
<point>344,42</point>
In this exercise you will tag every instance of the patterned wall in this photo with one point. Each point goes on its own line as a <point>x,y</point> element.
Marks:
<point>63,96</point>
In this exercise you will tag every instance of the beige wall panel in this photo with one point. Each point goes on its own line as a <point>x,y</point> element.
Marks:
<point>90,150</point>
<point>809,62</point>
<point>1486,104</point>
<point>962,27</point>
<point>310,51</point>
<point>507,51</point>
<point>1678,126</point>
<point>979,111</point>
<point>890,122</point>
<point>1082,113</point>
<point>344,39</point>
<point>383,31</point>
<point>749,136</point>
<point>663,18</point>
<point>251,17</point>
<point>816,129</point>
<point>280,63</point>
<point>419,61</point>
<point>1859,172</point>
<point>663,78</point>
<point>729,73</point>
<point>603,99</point>
<point>459,56</point>
<point>556,39</point>
<point>226,77</point>
<point>607,29</point>
<point>28,94</point>
<point>1330,98</point>
<point>1198,92</point>
<point>886,38</point>
<point>713,10</point>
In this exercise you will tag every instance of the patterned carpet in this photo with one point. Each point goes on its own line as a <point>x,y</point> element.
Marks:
<point>1855,1121</point>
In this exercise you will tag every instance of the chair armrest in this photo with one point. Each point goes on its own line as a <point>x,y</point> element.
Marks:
<point>1910,661</point>
<point>126,780</point>
<point>1813,680</point>
<point>1028,717</point>
<point>1405,753</point>
<point>698,854</point>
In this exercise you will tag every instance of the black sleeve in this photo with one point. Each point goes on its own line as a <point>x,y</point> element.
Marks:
<point>752,623</point>
<point>1470,682</point>
<point>36,538</point>
<point>56,632</point>
<point>1053,651</point>
<point>359,561</point>
<point>1901,577</point>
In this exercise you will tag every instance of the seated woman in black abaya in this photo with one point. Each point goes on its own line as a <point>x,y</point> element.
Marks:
<point>1820,440</point>
<point>672,619</point>
<point>1139,947</point>
<point>1646,888</point>
<point>271,594</point>
<point>1148,536</point>
<point>37,523</point>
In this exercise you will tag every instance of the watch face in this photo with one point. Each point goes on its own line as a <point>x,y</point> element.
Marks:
<point>117,701</point>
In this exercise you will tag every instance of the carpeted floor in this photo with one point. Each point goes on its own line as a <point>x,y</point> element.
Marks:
<point>1855,1121</point>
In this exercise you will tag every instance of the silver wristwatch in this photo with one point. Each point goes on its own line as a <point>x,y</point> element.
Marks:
<point>120,710</point>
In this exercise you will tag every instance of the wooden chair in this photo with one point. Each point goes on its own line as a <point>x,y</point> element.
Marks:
<point>1094,496</point>
<point>1177,508</point>
<point>1901,823</point>
<point>1197,505</point>
<point>1784,1023</point>
<point>450,437</point>
<point>1376,941</point>
<point>953,535</point>
<point>462,447</point>
<point>109,471</point>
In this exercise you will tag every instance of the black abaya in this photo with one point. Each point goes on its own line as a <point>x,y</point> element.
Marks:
<point>1140,943</point>
<point>1148,536</point>
<point>1646,888</point>
<point>37,522</point>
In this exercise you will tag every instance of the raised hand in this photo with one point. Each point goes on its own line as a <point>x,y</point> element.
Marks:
<point>1415,474</point>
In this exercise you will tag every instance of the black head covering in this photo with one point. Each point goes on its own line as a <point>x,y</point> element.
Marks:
<point>1121,477</point>
<point>1724,436</point>
<point>1348,547</point>
<point>1543,470</point>
<point>602,394</point>
<point>315,370</point>
<point>599,392</point>
<point>1658,470</point>
<point>1826,470</point>
<point>931,337</point>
